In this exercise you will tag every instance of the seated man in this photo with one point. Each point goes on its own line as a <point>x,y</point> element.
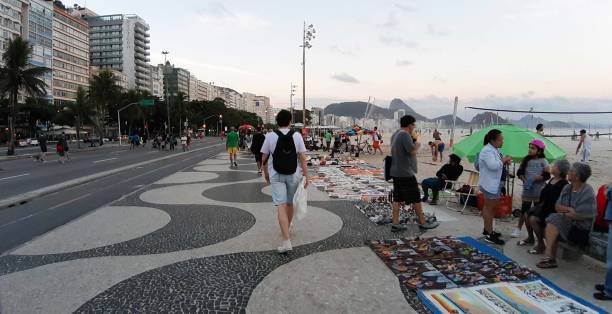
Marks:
<point>451,171</point>
<point>575,211</point>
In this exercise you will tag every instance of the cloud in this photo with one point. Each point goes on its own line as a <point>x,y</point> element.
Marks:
<point>437,32</point>
<point>393,40</point>
<point>405,7</point>
<point>403,63</point>
<point>528,94</point>
<point>217,15</point>
<point>345,51</point>
<point>392,22</point>
<point>346,78</point>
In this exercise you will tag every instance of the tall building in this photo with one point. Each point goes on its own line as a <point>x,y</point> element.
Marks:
<point>197,89</point>
<point>157,80</point>
<point>121,42</point>
<point>121,79</point>
<point>177,81</point>
<point>13,21</point>
<point>233,99</point>
<point>70,55</point>
<point>316,116</point>
<point>40,36</point>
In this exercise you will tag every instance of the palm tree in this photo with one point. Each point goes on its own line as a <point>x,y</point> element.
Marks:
<point>103,89</point>
<point>81,111</point>
<point>18,74</point>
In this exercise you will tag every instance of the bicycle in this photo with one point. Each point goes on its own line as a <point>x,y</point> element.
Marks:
<point>366,147</point>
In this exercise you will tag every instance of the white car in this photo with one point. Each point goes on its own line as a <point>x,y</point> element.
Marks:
<point>23,143</point>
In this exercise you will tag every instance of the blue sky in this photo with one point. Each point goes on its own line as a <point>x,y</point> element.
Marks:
<point>511,53</point>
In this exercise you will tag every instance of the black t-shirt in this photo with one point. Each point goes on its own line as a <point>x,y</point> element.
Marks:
<point>452,172</point>
<point>549,195</point>
<point>257,143</point>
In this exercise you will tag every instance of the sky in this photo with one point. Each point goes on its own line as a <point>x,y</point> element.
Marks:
<point>546,54</point>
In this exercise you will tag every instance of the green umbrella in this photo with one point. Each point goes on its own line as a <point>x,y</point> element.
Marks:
<point>516,144</point>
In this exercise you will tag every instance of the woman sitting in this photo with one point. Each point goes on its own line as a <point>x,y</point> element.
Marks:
<point>576,209</point>
<point>548,200</point>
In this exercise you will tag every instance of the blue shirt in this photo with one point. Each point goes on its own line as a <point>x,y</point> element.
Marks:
<point>491,166</point>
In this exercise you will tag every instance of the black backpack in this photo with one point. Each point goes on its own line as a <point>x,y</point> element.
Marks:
<point>284,158</point>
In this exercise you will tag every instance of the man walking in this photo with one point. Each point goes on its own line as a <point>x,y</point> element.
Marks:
<point>586,143</point>
<point>231,144</point>
<point>328,139</point>
<point>258,141</point>
<point>403,171</point>
<point>281,151</point>
<point>42,142</point>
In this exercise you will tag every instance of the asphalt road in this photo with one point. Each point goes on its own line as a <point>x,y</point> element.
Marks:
<point>23,223</point>
<point>24,175</point>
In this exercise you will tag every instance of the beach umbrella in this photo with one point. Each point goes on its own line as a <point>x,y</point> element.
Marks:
<point>246,126</point>
<point>516,144</point>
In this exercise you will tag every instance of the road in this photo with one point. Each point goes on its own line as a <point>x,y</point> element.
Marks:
<point>23,175</point>
<point>20,224</point>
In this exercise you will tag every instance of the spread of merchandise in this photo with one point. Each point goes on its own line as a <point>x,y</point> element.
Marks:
<point>459,275</point>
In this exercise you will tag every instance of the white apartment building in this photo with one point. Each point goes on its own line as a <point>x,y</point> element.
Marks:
<point>13,20</point>
<point>157,80</point>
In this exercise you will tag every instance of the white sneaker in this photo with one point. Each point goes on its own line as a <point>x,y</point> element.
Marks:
<point>516,233</point>
<point>285,247</point>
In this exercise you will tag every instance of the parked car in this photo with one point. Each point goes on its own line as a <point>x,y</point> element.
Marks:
<point>22,143</point>
<point>33,141</point>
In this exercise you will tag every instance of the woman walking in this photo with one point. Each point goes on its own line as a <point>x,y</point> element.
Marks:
<point>491,164</point>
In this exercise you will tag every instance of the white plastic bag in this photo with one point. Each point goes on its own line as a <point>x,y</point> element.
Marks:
<point>300,205</point>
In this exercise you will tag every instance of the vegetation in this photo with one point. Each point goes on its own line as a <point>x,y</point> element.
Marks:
<point>103,90</point>
<point>16,75</point>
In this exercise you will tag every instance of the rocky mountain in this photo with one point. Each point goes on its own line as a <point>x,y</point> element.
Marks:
<point>529,122</point>
<point>447,120</point>
<point>356,109</point>
<point>487,118</point>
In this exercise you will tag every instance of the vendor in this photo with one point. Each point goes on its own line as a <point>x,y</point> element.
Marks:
<point>451,171</point>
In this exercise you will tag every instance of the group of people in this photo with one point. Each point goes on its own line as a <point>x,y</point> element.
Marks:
<point>61,148</point>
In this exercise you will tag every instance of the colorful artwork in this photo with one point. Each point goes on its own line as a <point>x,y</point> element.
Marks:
<point>514,298</point>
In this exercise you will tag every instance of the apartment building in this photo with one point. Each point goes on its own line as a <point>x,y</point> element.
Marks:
<point>70,56</point>
<point>177,80</point>
<point>40,36</point>
<point>157,80</point>
<point>121,79</point>
<point>121,42</point>
<point>13,20</point>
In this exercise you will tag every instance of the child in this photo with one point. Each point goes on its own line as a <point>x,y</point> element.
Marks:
<point>534,171</point>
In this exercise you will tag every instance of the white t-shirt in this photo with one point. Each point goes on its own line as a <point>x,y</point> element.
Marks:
<point>269,146</point>
<point>587,144</point>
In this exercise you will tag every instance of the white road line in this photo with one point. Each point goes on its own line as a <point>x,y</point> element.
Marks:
<point>17,176</point>
<point>70,201</point>
<point>103,160</point>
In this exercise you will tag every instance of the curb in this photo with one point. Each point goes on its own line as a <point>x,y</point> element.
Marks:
<point>25,197</point>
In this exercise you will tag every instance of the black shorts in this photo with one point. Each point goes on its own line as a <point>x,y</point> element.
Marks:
<point>406,190</point>
<point>258,157</point>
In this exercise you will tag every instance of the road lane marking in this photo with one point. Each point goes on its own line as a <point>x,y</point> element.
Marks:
<point>40,212</point>
<point>17,176</point>
<point>70,201</point>
<point>103,160</point>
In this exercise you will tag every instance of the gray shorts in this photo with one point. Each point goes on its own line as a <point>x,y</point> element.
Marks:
<point>284,187</point>
<point>490,196</point>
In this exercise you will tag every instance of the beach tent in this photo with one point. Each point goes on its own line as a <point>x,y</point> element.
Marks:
<point>516,144</point>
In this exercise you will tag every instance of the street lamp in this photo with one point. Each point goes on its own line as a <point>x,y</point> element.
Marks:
<point>291,97</point>
<point>165,53</point>
<point>221,121</point>
<point>309,35</point>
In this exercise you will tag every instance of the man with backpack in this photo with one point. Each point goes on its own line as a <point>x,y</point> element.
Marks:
<point>281,151</point>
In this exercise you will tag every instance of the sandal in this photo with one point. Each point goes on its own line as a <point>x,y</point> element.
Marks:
<point>536,251</point>
<point>526,242</point>
<point>547,262</point>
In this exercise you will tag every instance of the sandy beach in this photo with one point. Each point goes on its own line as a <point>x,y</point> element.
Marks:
<point>601,158</point>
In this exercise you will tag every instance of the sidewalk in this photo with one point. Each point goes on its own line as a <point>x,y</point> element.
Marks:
<point>205,239</point>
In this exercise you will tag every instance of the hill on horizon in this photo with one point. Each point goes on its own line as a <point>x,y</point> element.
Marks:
<point>357,109</point>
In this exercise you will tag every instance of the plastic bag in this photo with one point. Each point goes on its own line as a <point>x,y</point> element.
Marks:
<point>300,205</point>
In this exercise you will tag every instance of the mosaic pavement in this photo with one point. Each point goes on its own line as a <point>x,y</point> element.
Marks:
<point>204,240</point>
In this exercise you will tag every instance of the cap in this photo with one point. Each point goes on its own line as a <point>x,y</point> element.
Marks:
<point>538,143</point>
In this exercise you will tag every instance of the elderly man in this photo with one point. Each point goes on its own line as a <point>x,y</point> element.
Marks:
<point>575,208</point>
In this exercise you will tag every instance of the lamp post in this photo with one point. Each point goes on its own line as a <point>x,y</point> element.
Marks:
<point>165,53</point>
<point>309,35</point>
<point>119,118</point>
<point>291,97</point>
<point>221,121</point>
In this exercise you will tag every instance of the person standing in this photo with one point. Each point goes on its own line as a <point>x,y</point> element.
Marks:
<point>65,144</point>
<point>491,166</point>
<point>376,141</point>
<point>586,144</point>
<point>328,139</point>
<point>231,143</point>
<point>256,145</point>
<point>403,171</point>
<point>42,142</point>
<point>605,290</point>
<point>281,152</point>
<point>540,129</point>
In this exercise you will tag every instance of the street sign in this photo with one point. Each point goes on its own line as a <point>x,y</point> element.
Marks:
<point>146,102</point>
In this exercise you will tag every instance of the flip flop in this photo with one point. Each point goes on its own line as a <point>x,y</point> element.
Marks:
<point>547,262</point>
<point>525,243</point>
<point>535,251</point>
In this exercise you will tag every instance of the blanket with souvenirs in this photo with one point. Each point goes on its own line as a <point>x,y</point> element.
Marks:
<point>378,211</point>
<point>350,181</point>
<point>444,263</point>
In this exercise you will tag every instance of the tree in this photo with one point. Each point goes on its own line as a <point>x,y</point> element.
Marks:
<point>18,74</point>
<point>81,111</point>
<point>103,89</point>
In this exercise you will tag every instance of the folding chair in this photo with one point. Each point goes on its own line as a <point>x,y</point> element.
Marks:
<point>451,189</point>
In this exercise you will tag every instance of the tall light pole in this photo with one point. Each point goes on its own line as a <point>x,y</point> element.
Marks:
<point>309,35</point>
<point>165,53</point>
<point>291,97</point>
